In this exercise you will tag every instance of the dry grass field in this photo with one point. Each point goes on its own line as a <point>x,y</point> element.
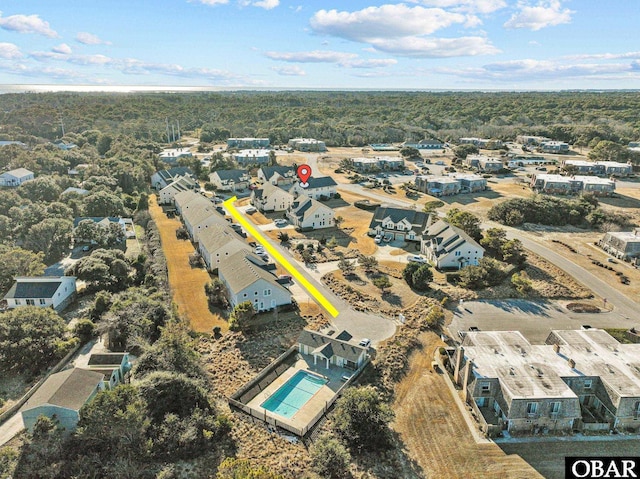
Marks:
<point>434,432</point>
<point>186,283</point>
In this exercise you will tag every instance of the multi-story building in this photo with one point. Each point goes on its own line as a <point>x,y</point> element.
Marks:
<point>247,142</point>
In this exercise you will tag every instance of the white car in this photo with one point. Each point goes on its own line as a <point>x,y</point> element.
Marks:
<point>259,250</point>
<point>365,343</point>
<point>378,239</point>
<point>414,258</point>
<point>280,222</point>
<point>251,210</point>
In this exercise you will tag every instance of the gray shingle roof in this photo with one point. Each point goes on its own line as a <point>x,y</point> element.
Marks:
<point>321,182</point>
<point>418,219</point>
<point>446,238</point>
<point>106,359</point>
<point>221,235</point>
<point>235,175</point>
<point>176,171</point>
<point>43,289</point>
<point>268,171</point>
<point>69,389</point>
<point>319,342</point>
<point>304,207</point>
<point>242,269</point>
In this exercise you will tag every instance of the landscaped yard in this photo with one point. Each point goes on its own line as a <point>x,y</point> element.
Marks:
<point>186,283</point>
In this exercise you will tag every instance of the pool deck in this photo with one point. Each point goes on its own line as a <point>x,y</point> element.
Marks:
<point>317,402</point>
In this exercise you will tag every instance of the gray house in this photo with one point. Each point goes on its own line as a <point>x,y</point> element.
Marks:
<point>61,396</point>
<point>622,244</point>
<point>247,278</point>
<point>398,223</point>
<point>230,180</point>
<point>337,350</point>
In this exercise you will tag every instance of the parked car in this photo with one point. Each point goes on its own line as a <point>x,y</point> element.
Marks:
<point>541,168</point>
<point>259,250</point>
<point>474,329</point>
<point>286,277</point>
<point>280,222</point>
<point>251,210</point>
<point>387,238</point>
<point>415,258</point>
<point>378,239</point>
<point>365,343</point>
<point>86,248</point>
<point>440,162</point>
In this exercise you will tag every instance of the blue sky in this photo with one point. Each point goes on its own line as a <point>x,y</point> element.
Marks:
<point>416,44</point>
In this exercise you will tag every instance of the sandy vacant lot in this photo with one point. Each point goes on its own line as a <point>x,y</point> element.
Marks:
<point>186,283</point>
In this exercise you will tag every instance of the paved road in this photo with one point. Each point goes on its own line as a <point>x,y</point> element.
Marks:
<point>534,319</point>
<point>11,428</point>
<point>360,325</point>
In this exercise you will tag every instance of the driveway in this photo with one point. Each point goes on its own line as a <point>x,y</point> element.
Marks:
<point>534,319</point>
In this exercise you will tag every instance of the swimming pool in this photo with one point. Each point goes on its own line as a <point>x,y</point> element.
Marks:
<point>294,394</point>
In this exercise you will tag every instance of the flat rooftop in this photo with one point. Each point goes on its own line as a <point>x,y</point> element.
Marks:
<point>538,370</point>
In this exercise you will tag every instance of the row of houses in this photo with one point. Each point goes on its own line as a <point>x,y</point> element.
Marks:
<point>246,276</point>
<point>624,245</point>
<point>485,143</point>
<point>248,143</point>
<point>581,380</point>
<point>451,184</point>
<point>483,163</point>
<point>572,185</point>
<point>444,245</point>
<point>598,168</point>
<point>307,144</point>
<point>385,163</point>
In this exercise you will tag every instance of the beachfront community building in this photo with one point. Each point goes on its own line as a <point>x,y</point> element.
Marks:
<point>581,380</point>
<point>55,292</point>
<point>163,178</point>
<point>623,245</point>
<point>252,157</point>
<point>337,350</point>
<point>172,155</point>
<point>483,163</point>
<point>230,180</point>
<point>424,144</point>
<point>572,185</point>
<point>320,188</point>
<point>277,175</point>
<point>383,163</point>
<point>307,144</point>
<point>599,168</point>
<point>309,214</point>
<point>398,223</point>
<point>248,278</point>
<point>16,177</point>
<point>438,185</point>
<point>485,143</point>
<point>269,198</point>
<point>553,147</point>
<point>248,143</point>
<point>61,396</point>
<point>449,247</point>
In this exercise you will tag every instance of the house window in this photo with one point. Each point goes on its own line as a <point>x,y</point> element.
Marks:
<point>244,295</point>
<point>255,293</point>
<point>458,253</point>
<point>18,302</point>
<point>267,292</point>
<point>43,301</point>
<point>31,302</point>
<point>555,407</point>
<point>588,384</point>
<point>636,411</point>
<point>532,407</point>
<point>485,387</point>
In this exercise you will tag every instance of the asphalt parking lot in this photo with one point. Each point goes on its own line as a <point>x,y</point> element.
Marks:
<point>534,319</point>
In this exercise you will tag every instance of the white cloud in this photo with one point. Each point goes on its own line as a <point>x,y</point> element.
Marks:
<point>420,47</point>
<point>386,21</point>
<point>267,4</point>
<point>292,70</point>
<point>605,56</point>
<point>347,60</point>
<point>63,48</point>
<point>477,6</point>
<point>546,13</point>
<point>90,39</point>
<point>9,51</point>
<point>27,24</point>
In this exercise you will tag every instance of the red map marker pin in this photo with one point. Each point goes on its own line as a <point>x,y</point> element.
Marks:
<point>304,173</point>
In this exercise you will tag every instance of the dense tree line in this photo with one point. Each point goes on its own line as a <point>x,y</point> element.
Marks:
<point>338,118</point>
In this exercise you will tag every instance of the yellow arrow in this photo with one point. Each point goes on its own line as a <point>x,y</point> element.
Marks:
<point>255,233</point>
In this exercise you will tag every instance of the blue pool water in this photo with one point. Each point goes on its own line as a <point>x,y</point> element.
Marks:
<point>294,394</point>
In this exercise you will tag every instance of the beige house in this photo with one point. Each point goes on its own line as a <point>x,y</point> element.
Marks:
<point>308,214</point>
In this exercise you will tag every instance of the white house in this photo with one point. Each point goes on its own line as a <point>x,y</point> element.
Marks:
<point>378,163</point>
<point>218,243</point>
<point>247,279</point>
<point>55,292</point>
<point>252,157</point>
<point>306,213</point>
<point>161,179</point>
<point>171,155</point>
<point>230,180</point>
<point>16,177</point>
<point>271,198</point>
<point>398,223</point>
<point>180,183</point>
<point>447,246</point>
<point>307,144</point>
<point>62,395</point>
<point>323,187</point>
<point>337,350</point>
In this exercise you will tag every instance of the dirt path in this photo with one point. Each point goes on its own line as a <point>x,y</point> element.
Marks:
<point>435,433</point>
<point>186,283</point>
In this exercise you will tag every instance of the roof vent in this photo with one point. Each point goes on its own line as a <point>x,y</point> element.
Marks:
<point>572,363</point>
